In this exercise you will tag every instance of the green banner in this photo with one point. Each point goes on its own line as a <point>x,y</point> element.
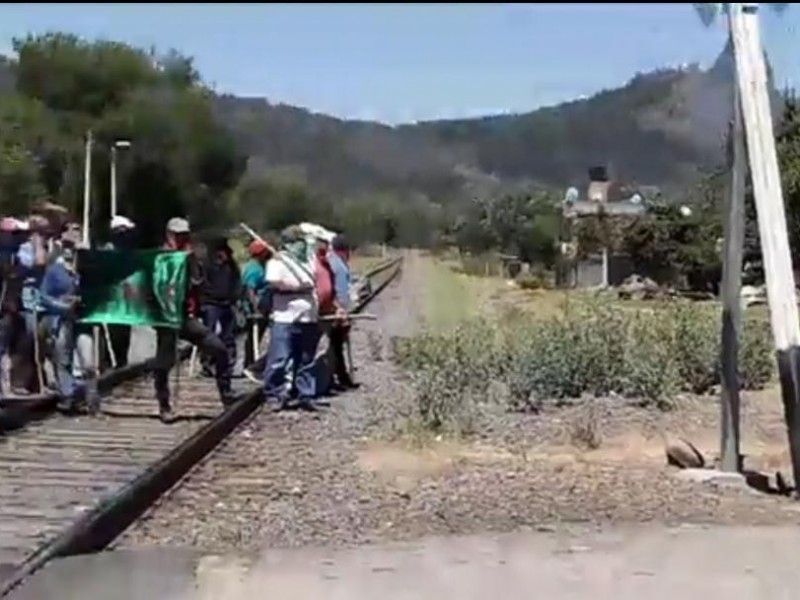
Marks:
<point>141,288</point>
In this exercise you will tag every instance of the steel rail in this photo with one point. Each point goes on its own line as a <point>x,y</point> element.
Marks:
<point>97,528</point>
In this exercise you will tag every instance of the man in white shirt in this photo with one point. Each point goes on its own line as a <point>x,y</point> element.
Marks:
<point>295,333</point>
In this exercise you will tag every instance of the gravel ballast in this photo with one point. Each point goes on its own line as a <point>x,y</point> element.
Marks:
<point>343,476</point>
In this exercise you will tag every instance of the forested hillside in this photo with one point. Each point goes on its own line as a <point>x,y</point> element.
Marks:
<point>219,158</point>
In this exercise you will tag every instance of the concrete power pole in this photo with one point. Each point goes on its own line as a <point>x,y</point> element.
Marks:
<point>731,292</point>
<point>751,79</point>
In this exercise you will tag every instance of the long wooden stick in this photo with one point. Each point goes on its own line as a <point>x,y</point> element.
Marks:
<point>111,354</point>
<point>192,361</point>
<point>255,341</point>
<point>350,317</point>
<point>37,354</point>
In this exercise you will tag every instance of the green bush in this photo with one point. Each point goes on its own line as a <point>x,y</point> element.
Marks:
<point>597,349</point>
<point>533,281</point>
<point>756,354</point>
<point>696,331</point>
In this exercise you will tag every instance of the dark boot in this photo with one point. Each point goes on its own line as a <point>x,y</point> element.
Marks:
<point>165,411</point>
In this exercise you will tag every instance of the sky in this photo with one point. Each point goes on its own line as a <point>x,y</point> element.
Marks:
<point>407,62</point>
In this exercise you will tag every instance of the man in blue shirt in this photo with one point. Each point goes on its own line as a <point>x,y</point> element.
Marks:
<point>340,331</point>
<point>59,299</point>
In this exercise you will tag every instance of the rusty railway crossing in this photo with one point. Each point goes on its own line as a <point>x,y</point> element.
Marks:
<point>72,485</point>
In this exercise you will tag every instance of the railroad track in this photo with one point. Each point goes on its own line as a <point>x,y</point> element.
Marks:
<point>18,412</point>
<point>71,485</point>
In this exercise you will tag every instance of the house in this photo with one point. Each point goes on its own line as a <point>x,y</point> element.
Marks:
<point>614,198</point>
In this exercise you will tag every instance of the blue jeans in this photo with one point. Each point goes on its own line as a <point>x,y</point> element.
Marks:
<point>292,346</point>
<point>69,340</point>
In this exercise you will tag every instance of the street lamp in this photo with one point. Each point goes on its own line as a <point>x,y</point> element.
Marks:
<point>117,144</point>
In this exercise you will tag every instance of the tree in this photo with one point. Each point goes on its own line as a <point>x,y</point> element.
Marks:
<point>674,248</point>
<point>788,147</point>
<point>523,225</point>
<point>181,160</point>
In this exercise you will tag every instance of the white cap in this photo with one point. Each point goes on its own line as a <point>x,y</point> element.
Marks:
<point>178,225</point>
<point>120,222</point>
<point>317,231</point>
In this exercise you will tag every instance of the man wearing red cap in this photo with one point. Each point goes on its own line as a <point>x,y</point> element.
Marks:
<point>255,306</point>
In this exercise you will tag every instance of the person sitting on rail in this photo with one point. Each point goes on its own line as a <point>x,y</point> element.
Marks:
<point>220,293</point>
<point>256,306</point>
<point>123,238</point>
<point>193,331</point>
<point>339,258</point>
<point>295,333</point>
<point>60,299</point>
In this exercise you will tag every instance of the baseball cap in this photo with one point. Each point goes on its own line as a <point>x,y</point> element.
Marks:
<point>120,222</point>
<point>258,248</point>
<point>178,225</point>
<point>325,235</point>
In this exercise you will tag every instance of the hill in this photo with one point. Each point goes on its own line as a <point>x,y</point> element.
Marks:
<point>662,128</point>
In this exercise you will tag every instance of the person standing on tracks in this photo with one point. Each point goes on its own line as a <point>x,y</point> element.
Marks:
<point>123,239</point>
<point>256,306</point>
<point>339,258</point>
<point>12,324</point>
<point>193,331</point>
<point>221,291</point>
<point>60,300</point>
<point>295,333</point>
<point>330,311</point>
<point>32,258</point>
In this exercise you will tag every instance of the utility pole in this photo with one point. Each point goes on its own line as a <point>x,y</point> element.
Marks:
<point>87,187</point>
<point>733,224</point>
<point>114,181</point>
<point>751,77</point>
<point>114,147</point>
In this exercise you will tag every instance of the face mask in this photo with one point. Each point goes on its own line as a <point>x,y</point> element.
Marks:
<point>122,237</point>
<point>298,250</point>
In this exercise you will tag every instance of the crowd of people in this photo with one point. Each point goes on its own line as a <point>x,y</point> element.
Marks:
<point>298,292</point>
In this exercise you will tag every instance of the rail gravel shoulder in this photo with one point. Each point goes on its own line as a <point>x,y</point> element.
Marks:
<point>98,527</point>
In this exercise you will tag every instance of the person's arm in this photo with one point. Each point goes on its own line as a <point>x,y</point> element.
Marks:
<point>252,283</point>
<point>39,250</point>
<point>342,284</point>
<point>50,302</point>
<point>25,256</point>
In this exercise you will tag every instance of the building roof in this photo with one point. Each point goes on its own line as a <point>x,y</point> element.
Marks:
<point>588,207</point>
